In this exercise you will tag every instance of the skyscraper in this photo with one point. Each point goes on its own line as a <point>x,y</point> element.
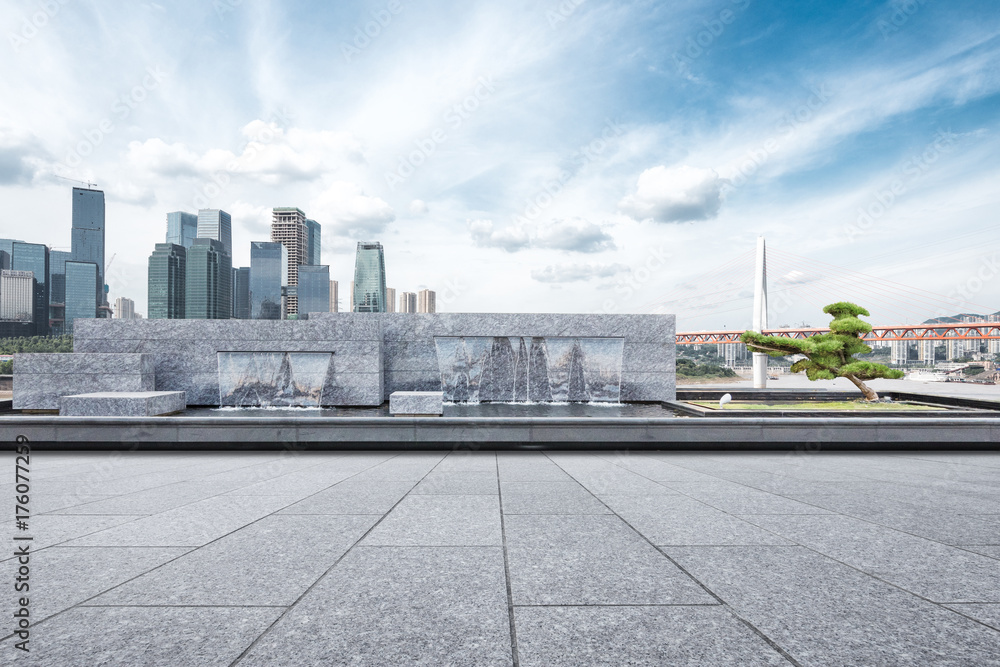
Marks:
<point>241,293</point>
<point>6,249</point>
<point>426,301</point>
<point>314,289</point>
<point>17,296</point>
<point>207,277</point>
<point>124,308</point>
<point>215,224</point>
<point>369,279</point>
<point>88,233</point>
<point>313,234</point>
<point>167,274</point>
<point>334,297</point>
<point>57,290</point>
<point>182,228</point>
<point>288,227</point>
<point>83,289</point>
<point>390,299</point>
<point>268,273</point>
<point>34,257</point>
<point>408,302</point>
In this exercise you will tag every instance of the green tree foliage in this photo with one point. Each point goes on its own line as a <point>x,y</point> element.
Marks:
<point>6,367</point>
<point>690,368</point>
<point>36,344</point>
<point>831,355</point>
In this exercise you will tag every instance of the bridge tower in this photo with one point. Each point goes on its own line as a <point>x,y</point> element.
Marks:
<point>760,314</point>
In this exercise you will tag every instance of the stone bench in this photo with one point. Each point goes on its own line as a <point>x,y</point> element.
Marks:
<point>416,403</point>
<point>40,380</point>
<point>123,404</point>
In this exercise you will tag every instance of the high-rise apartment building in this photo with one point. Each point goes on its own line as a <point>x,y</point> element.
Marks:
<point>84,289</point>
<point>17,296</point>
<point>241,293</point>
<point>34,257</point>
<point>314,243</point>
<point>288,227</point>
<point>166,277</point>
<point>124,308</point>
<point>408,302</point>
<point>390,299</point>
<point>314,289</point>
<point>334,297</point>
<point>268,273</point>
<point>369,279</point>
<point>207,288</point>
<point>426,301</point>
<point>182,228</point>
<point>216,224</point>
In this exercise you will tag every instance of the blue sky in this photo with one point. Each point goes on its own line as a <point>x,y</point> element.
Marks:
<point>582,156</point>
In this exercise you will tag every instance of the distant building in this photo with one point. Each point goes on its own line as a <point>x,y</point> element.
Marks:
<point>408,302</point>
<point>390,299</point>
<point>215,224</point>
<point>350,301</point>
<point>268,273</point>
<point>426,301</point>
<point>241,293</point>
<point>899,353</point>
<point>314,289</point>
<point>182,228</point>
<point>166,278</point>
<point>925,352</point>
<point>83,290</point>
<point>6,250</point>
<point>124,308</point>
<point>288,227</point>
<point>207,277</point>
<point>17,296</point>
<point>57,290</point>
<point>34,257</point>
<point>334,297</point>
<point>88,234</point>
<point>313,243</point>
<point>369,279</point>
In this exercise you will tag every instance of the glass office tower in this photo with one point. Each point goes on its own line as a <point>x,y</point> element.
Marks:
<point>57,290</point>
<point>241,293</point>
<point>88,230</point>
<point>369,279</point>
<point>314,289</point>
<point>313,252</point>
<point>182,228</point>
<point>218,225</point>
<point>34,257</point>
<point>268,274</point>
<point>83,289</point>
<point>6,250</point>
<point>166,280</point>
<point>207,277</point>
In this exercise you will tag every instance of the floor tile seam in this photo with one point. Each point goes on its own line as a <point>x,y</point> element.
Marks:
<point>511,617</point>
<point>918,458</point>
<point>78,537</point>
<point>182,606</point>
<point>753,628</point>
<point>322,576</point>
<point>625,605</point>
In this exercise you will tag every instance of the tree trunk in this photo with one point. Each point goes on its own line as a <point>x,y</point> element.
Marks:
<point>869,393</point>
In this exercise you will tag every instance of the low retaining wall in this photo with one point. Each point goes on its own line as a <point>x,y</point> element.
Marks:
<point>41,380</point>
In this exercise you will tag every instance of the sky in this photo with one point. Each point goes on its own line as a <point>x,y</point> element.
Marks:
<point>575,156</point>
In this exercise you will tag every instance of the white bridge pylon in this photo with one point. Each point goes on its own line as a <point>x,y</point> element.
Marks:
<point>760,314</point>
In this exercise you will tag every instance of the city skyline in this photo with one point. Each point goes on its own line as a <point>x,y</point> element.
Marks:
<point>503,161</point>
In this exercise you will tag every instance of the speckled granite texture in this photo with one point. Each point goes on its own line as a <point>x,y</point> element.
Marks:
<point>416,403</point>
<point>40,380</point>
<point>123,404</point>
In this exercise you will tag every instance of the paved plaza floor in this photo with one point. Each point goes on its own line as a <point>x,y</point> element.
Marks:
<point>537,559</point>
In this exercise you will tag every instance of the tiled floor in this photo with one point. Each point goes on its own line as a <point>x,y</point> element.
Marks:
<point>533,559</point>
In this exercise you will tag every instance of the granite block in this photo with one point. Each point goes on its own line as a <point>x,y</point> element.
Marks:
<point>591,560</point>
<point>416,403</point>
<point>123,404</point>
<point>61,363</point>
<point>151,637</point>
<point>638,637</point>
<point>825,613</point>
<point>43,391</point>
<point>411,381</point>
<point>431,607</point>
<point>440,520</point>
<point>270,562</point>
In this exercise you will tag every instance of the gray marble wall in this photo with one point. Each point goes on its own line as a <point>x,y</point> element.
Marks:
<point>40,380</point>
<point>185,352</point>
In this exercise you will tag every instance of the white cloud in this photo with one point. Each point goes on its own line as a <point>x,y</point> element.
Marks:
<point>676,194</point>
<point>568,273</point>
<point>510,239</point>
<point>418,207</point>
<point>345,209</point>
<point>571,235</point>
